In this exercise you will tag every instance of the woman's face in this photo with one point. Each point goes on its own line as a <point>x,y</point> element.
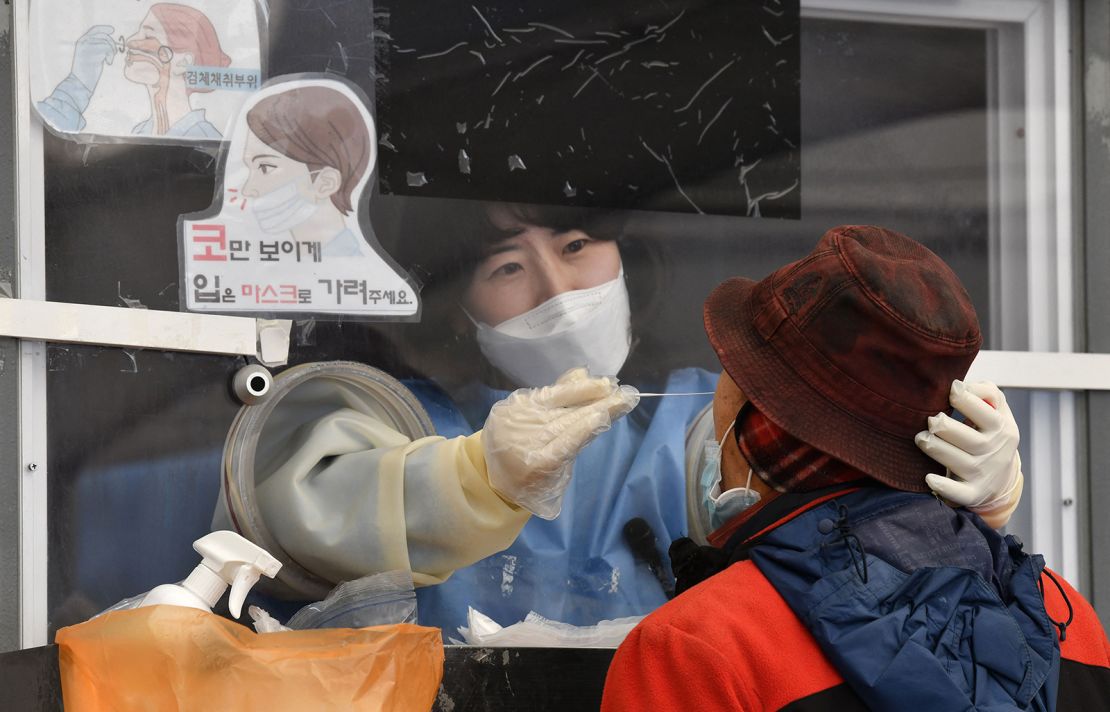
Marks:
<point>270,170</point>
<point>533,265</point>
<point>147,53</point>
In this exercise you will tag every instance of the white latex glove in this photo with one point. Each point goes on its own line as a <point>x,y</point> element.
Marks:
<point>532,437</point>
<point>94,49</point>
<point>984,469</point>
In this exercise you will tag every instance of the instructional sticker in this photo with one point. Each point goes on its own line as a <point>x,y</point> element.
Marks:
<point>144,71</point>
<point>285,235</point>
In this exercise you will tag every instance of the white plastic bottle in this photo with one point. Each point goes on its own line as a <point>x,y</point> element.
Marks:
<point>229,560</point>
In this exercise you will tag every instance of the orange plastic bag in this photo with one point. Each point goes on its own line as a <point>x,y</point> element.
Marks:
<point>169,658</point>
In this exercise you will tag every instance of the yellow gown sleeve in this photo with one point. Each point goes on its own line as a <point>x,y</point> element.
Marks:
<point>349,496</point>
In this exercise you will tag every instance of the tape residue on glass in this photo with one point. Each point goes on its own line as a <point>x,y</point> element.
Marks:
<point>287,232</point>
<point>685,106</point>
<point>161,72</point>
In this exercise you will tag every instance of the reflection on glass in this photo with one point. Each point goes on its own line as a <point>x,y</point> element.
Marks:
<point>885,142</point>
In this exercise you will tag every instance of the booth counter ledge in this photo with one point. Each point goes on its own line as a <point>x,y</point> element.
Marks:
<point>474,679</point>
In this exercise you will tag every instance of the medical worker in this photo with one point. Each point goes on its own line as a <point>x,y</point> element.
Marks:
<point>539,290</point>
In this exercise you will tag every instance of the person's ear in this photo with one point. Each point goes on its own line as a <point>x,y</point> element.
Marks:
<point>181,63</point>
<point>459,323</point>
<point>328,182</point>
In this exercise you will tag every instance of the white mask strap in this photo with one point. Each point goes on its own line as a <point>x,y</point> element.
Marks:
<point>728,430</point>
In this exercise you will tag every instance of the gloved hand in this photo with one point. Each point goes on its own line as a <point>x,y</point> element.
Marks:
<point>983,463</point>
<point>531,438</point>
<point>94,49</point>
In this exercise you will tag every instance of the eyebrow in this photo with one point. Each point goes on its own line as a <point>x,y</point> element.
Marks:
<point>264,155</point>
<point>504,243</point>
<point>500,248</point>
<point>148,27</point>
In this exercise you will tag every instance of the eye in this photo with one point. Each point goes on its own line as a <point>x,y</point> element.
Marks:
<point>265,168</point>
<point>506,270</point>
<point>575,245</point>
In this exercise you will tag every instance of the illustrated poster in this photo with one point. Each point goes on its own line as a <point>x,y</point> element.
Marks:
<point>290,231</point>
<point>174,72</point>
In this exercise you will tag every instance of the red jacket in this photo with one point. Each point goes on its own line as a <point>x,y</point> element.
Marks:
<point>732,643</point>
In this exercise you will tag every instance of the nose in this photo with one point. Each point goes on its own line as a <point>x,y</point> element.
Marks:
<point>249,190</point>
<point>555,278</point>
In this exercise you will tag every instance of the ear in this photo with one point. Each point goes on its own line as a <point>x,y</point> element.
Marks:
<point>328,182</point>
<point>460,324</point>
<point>182,62</point>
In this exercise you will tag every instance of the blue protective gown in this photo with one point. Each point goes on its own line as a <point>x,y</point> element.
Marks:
<point>578,568</point>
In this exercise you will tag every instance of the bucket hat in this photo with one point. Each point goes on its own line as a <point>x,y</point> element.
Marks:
<point>852,348</point>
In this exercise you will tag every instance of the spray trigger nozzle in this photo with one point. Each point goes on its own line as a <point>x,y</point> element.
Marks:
<point>229,560</point>
<point>236,562</point>
<point>245,579</point>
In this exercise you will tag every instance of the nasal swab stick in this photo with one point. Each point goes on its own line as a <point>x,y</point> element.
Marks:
<point>663,395</point>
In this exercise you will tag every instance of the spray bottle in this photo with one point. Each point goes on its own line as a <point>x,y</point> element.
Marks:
<point>229,560</point>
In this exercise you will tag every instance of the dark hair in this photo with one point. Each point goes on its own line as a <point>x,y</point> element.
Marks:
<point>440,242</point>
<point>319,127</point>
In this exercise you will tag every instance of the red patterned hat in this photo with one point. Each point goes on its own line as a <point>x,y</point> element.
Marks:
<point>852,348</point>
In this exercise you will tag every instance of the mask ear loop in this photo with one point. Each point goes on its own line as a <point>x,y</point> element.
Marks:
<point>720,463</point>
<point>736,437</point>
<point>751,496</point>
<point>721,443</point>
<point>477,324</point>
<point>721,456</point>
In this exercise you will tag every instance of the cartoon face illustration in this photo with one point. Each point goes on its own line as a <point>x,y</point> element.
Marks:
<point>147,54</point>
<point>307,152</point>
<point>171,38</point>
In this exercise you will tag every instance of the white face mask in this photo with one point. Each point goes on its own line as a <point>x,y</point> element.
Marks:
<point>583,327</point>
<point>722,506</point>
<point>282,209</point>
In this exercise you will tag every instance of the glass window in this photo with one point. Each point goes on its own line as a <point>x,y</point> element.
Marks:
<point>912,125</point>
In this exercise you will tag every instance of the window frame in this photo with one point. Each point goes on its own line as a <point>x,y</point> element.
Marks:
<point>1040,207</point>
